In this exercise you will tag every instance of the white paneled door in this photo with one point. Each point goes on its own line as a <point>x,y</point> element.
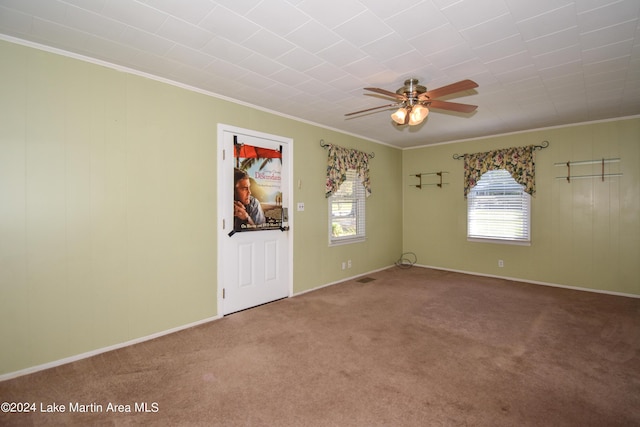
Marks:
<point>254,237</point>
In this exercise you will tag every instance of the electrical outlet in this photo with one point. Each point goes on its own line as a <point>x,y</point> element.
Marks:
<point>344,265</point>
<point>500,263</point>
<point>349,264</point>
<point>300,206</point>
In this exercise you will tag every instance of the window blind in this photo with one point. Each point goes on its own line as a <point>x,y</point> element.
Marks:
<point>498,208</point>
<point>347,211</point>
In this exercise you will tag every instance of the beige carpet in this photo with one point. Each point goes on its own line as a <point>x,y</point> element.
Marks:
<point>414,347</point>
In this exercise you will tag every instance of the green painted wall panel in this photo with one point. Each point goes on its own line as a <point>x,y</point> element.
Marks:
<point>108,221</point>
<point>108,206</point>
<point>584,234</point>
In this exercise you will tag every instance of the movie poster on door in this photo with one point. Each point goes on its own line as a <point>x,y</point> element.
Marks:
<point>257,203</point>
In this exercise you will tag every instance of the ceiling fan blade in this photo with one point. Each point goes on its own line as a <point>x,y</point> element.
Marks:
<point>386,92</point>
<point>446,90</point>
<point>452,106</point>
<point>374,108</point>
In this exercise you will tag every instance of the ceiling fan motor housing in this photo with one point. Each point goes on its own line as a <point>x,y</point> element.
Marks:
<point>411,90</point>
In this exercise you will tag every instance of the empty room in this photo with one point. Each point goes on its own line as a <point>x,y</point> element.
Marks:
<point>435,215</point>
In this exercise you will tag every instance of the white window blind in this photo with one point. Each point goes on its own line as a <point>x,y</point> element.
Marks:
<point>347,211</point>
<point>498,209</point>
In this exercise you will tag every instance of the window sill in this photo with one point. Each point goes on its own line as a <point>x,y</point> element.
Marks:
<point>499,241</point>
<point>346,241</point>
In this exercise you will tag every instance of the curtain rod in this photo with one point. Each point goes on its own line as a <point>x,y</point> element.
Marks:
<point>324,145</point>
<point>543,144</point>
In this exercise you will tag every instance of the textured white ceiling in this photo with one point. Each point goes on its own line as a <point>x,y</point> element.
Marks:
<point>538,63</point>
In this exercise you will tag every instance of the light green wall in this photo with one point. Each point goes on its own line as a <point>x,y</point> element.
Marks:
<point>108,206</point>
<point>584,234</point>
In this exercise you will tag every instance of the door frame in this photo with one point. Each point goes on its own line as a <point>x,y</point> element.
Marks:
<point>222,229</point>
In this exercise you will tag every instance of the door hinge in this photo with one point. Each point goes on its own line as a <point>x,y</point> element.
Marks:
<point>223,224</point>
<point>223,154</point>
<point>223,293</point>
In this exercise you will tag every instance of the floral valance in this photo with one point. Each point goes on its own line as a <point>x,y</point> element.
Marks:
<point>339,161</point>
<point>518,161</point>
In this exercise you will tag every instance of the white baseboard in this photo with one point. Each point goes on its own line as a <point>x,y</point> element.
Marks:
<point>88,354</point>
<point>534,282</point>
<point>346,279</point>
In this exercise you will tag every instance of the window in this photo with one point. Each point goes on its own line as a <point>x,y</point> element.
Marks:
<point>346,211</point>
<point>498,209</point>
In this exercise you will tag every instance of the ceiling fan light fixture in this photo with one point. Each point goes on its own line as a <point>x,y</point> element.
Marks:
<point>418,114</point>
<point>400,116</point>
